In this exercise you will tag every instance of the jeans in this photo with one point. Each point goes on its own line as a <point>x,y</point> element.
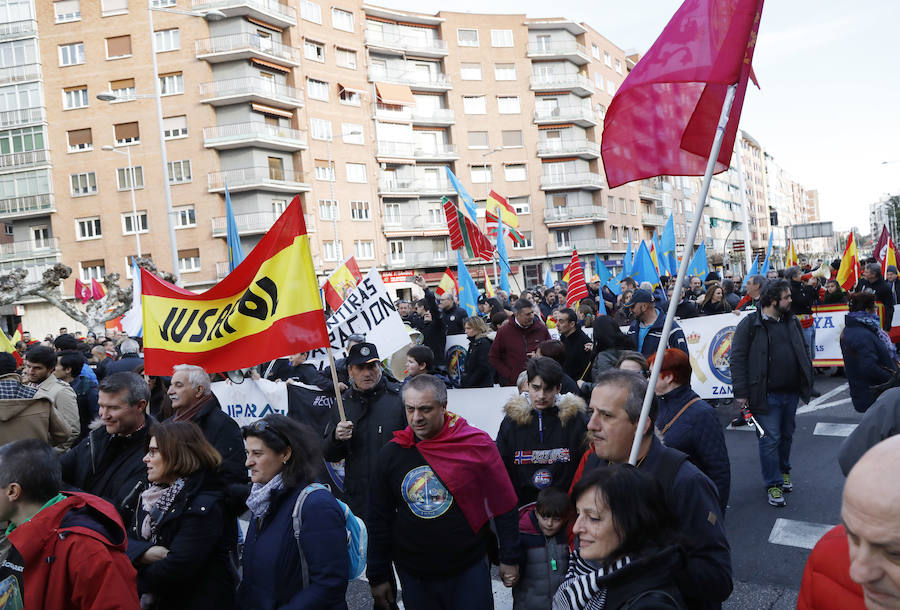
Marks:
<point>809,337</point>
<point>775,445</point>
<point>468,590</point>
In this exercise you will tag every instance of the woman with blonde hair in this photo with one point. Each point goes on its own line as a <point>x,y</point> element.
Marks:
<point>477,372</point>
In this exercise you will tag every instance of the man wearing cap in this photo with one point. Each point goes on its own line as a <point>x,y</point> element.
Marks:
<point>373,410</point>
<point>890,276</point>
<point>646,330</point>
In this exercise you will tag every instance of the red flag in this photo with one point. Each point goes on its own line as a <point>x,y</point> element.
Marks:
<point>882,248</point>
<point>465,234</point>
<point>83,292</point>
<point>663,119</point>
<point>447,284</point>
<point>97,291</point>
<point>342,281</point>
<point>577,289</point>
<point>849,273</point>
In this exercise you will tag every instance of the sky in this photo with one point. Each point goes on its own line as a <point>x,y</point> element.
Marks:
<point>828,109</point>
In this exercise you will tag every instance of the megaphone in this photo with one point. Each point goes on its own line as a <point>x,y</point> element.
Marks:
<point>823,271</point>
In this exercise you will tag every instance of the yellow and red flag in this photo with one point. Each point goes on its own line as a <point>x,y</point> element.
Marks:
<point>488,287</point>
<point>97,290</point>
<point>577,288</point>
<point>890,257</point>
<point>341,282</point>
<point>849,272</point>
<point>268,307</point>
<point>448,284</point>
<point>17,336</point>
<point>790,257</point>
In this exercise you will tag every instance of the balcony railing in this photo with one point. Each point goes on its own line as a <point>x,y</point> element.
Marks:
<point>433,115</point>
<point>245,41</point>
<point>395,149</point>
<point>24,159</point>
<point>657,220</point>
<point>575,212</point>
<point>24,116</point>
<point>574,180</point>
<point>434,187</point>
<point>436,151</point>
<point>247,224</point>
<point>393,113</point>
<point>412,78</point>
<point>418,259</point>
<point>562,81</point>
<point>29,249</point>
<point>20,74</point>
<point>17,29</point>
<point>414,186</point>
<point>251,86</point>
<point>272,8</point>
<point>589,244</point>
<point>27,204</point>
<point>222,135</point>
<point>409,221</point>
<point>568,147</point>
<point>566,114</point>
<point>396,39</point>
<point>255,177</point>
<point>557,48</point>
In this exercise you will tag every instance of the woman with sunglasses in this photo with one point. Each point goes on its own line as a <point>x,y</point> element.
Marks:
<point>178,541</point>
<point>283,457</point>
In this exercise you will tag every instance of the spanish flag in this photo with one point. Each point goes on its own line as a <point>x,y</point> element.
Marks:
<point>488,287</point>
<point>849,272</point>
<point>268,307</point>
<point>447,284</point>
<point>341,282</point>
<point>790,258</point>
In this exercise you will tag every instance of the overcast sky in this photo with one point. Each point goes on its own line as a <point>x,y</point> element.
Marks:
<point>829,107</point>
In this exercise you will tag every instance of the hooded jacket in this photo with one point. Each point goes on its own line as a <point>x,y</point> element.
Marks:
<point>511,347</point>
<point>542,448</point>
<point>543,565</point>
<point>69,556</point>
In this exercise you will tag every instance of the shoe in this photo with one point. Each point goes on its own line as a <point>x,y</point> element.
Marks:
<point>776,497</point>
<point>788,487</point>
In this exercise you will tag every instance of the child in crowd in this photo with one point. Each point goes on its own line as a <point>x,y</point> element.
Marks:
<point>545,552</point>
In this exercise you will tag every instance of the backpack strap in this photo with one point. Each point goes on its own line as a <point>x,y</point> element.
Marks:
<point>296,518</point>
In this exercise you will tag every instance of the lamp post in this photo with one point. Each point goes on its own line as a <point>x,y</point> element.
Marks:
<point>487,191</point>
<point>334,216</point>
<point>735,225</point>
<point>134,216</point>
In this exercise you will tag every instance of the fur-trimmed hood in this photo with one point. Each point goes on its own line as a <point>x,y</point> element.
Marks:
<point>519,409</point>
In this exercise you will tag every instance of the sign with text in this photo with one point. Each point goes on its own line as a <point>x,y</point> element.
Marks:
<point>251,400</point>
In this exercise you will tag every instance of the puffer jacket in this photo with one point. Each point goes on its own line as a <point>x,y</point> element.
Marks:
<point>867,362</point>
<point>543,564</point>
<point>511,347</point>
<point>826,578</point>
<point>542,448</point>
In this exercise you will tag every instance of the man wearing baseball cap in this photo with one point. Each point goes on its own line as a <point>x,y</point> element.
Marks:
<point>646,330</point>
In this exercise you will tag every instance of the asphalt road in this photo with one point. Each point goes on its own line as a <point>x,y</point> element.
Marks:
<point>769,546</point>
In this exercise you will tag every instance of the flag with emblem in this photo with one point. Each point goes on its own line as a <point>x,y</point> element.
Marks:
<point>448,284</point>
<point>342,281</point>
<point>465,235</point>
<point>577,288</point>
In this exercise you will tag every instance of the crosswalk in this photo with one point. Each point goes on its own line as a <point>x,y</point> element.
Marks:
<point>801,534</point>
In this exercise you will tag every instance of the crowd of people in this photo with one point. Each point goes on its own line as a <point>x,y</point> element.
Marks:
<point>127,490</point>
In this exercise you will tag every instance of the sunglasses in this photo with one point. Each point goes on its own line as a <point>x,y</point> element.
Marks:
<point>261,426</point>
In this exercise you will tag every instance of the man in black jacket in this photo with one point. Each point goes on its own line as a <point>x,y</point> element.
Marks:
<point>686,308</point>
<point>578,345</point>
<point>431,323</point>
<point>130,359</point>
<point>872,281</point>
<point>454,316</point>
<point>108,462</point>
<point>803,297</point>
<point>646,330</point>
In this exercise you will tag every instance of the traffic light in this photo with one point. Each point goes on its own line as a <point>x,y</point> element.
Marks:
<point>773,218</point>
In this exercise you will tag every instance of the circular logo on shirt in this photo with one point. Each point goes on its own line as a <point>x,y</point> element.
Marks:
<point>424,493</point>
<point>541,478</point>
<point>719,353</point>
<point>456,363</point>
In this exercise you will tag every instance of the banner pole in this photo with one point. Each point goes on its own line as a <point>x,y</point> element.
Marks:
<point>337,389</point>
<point>682,271</point>
<point>744,214</point>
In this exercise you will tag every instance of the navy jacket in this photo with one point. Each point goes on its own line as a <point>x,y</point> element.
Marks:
<point>271,560</point>
<point>477,370</point>
<point>651,341</point>
<point>867,362</point>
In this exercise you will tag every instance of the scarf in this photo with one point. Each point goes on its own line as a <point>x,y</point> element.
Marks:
<point>156,500</point>
<point>582,588</point>
<point>188,413</point>
<point>261,496</point>
<point>871,321</point>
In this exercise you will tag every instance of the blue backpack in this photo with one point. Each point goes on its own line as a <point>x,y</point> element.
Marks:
<point>357,535</point>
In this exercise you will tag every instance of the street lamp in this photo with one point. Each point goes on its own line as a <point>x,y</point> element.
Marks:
<point>487,192</point>
<point>735,225</point>
<point>334,216</point>
<point>134,216</point>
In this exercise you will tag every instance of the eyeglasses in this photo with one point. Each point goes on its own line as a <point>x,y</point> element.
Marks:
<point>262,426</point>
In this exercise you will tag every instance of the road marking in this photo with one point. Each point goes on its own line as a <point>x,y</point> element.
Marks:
<point>502,596</point>
<point>813,404</point>
<point>800,534</point>
<point>827,405</point>
<point>829,429</point>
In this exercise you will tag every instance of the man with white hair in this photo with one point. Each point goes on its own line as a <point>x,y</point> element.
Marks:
<point>128,361</point>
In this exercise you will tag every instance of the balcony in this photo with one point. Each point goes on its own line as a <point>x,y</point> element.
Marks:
<point>254,223</point>
<point>575,83</point>
<point>396,41</point>
<point>653,220</point>
<point>433,116</point>
<point>651,190</point>
<point>11,30</point>
<point>256,178</point>
<point>418,260</point>
<point>574,215</point>
<point>269,11</point>
<point>585,149</point>
<point>250,89</point>
<point>395,150</point>
<point>582,116</point>
<point>590,181</point>
<point>22,250</point>
<point>408,223</point>
<point>254,133</point>
<point>422,81</point>
<point>397,187</point>
<point>24,160</point>
<point>434,187</point>
<point>20,74</point>
<point>568,50</point>
<point>436,152</point>
<point>393,113</point>
<point>221,270</point>
<point>244,46</point>
<point>591,244</point>
<point>27,206</point>
<point>22,117</point>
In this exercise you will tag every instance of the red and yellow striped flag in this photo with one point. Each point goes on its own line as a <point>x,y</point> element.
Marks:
<point>465,234</point>
<point>341,282</point>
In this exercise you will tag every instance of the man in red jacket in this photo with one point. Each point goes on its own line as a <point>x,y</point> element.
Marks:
<point>516,342</point>
<point>67,551</point>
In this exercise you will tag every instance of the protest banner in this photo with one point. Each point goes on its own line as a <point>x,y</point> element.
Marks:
<point>482,407</point>
<point>829,325</point>
<point>248,401</point>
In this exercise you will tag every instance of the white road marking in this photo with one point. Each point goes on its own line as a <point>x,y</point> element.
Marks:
<point>801,534</point>
<point>829,429</point>
<point>822,399</point>
<point>826,405</point>
<point>502,596</point>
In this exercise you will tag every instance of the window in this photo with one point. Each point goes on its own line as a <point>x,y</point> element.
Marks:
<point>466,38</point>
<point>118,46</point>
<point>320,129</point>
<point>127,133</point>
<point>512,138</point>
<point>598,80</point>
<point>341,19</point>
<point>317,89</point>
<point>162,3</point>
<point>610,87</point>
<point>189,260</point>
<point>515,173</point>
<point>92,270</point>
<point>132,223</point>
<point>352,133</point>
<point>114,7</point>
<point>324,170</point>
<point>607,58</point>
<point>179,171</point>
<point>123,178</point>
<point>508,104</point>
<point>328,210</point>
<point>80,139</point>
<point>175,127</point>
<point>521,205</point>
<point>501,38</point>
<point>614,234</point>
<point>332,253</point>
<point>478,139</point>
<point>349,97</point>
<point>504,71</point>
<point>563,239</point>
<point>474,104</point>
<point>88,228</point>
<point>631,205</point>
<point>356,172</point>
<point>40,235</point>
<point>167,40</point>
<point>619,66</point>
<point>345,58</point>
<point>84,184</point>
<point>359,210</point>
<point>123,89</point>
<point>611,203</point>
<point>310,11</point>
<point>276,168</point>
<point>470,71</point>
<point>313,50</point>
<point>67,10</point>
<point>481,174</point>
<point>595,51</point>
<point>75,97</point>
<point>184,216</point>
<point>171,84</point>
<point>526,242</point>
<point>71,54</point>
<point>392,213</point>
<point>396,251</point>
<point>364,250</point>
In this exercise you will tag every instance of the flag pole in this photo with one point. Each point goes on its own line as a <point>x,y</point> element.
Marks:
<point>745,216</point>
<point>682,271</point>
<point>337,390</point>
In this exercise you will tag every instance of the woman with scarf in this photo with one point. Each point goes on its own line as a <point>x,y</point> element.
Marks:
<point>626,549</point>
<point>178,541</point>
<point>284,457</point>
<point>870,358</point>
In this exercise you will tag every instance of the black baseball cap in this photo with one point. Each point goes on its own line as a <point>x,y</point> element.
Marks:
<point>639,296</point>
<point>362,353</point>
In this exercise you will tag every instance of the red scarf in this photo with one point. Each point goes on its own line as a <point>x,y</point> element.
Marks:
<point>467,461</point>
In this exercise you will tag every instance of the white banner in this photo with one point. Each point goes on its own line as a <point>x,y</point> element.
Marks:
<point>482,407</point>
<point>248,401</point>
<point>709,346</point>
